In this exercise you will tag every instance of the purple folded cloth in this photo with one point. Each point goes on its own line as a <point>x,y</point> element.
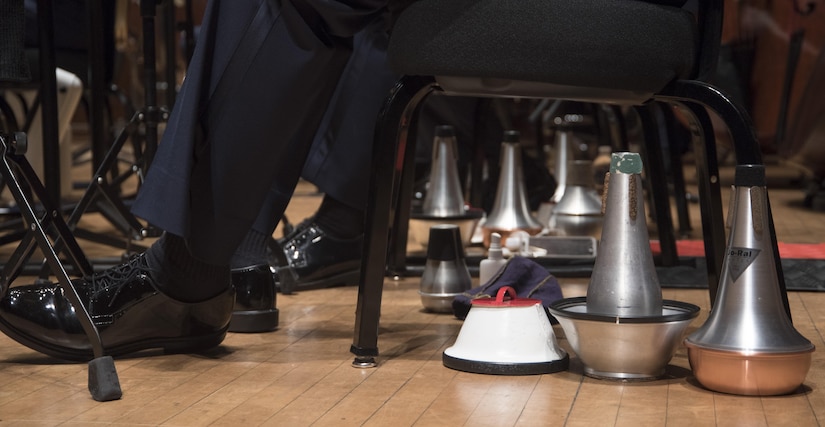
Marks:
<point>528,278</point>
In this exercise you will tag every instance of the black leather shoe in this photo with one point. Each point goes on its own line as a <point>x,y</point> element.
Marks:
<point>130,313</point>
<point>255,300</point>
<point>310,258</point>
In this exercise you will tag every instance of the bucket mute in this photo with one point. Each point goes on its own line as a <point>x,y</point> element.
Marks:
<point>506,335</point>
<point>748,345</point>
<point>623,329</point>
<point>444,201</point>
<point>510,211</point>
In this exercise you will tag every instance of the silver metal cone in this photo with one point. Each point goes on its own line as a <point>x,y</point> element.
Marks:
<point>748,314</point>
<point>510,211</point>
<point>579,213</point>
<point>444,197</point>
<point>624,281</point>
<point>445,272</point>
<point>748,345</point>
<point>580,197</point>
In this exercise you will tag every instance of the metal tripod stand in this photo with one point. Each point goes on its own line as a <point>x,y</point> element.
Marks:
<point>43,225</point>
<point>103,193</point>
<point>46,230</point>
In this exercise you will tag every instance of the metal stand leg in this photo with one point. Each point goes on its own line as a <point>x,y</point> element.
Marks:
<point>106,182</point>
<point>101,187</point>
<point>43,231</point>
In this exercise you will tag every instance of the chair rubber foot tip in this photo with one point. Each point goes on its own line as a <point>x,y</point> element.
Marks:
<point>103,381</point>
<point>363,362</point>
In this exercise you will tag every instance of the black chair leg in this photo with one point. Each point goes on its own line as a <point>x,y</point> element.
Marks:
<point>677,143</point>
<point>403,187</point>
<point>744,143</point>
<point>710,193</point>
<point>391,147</point>
<point>658,185</point>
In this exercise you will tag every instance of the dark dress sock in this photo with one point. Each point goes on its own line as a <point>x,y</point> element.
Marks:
<point>252,251</point>
<point>340,220</point>
<point>182,277</point>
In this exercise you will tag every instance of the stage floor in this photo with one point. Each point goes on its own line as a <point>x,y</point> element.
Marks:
<point>301,373</point>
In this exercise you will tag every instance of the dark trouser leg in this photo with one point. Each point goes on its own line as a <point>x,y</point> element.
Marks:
<point>258,112</point>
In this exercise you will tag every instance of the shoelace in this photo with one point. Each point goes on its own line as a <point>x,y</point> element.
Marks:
<point>115,278</point>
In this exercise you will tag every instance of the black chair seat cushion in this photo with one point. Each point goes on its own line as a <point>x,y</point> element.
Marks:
<point>612,44</point>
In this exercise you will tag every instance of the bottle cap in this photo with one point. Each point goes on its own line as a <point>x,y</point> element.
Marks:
<point>495,252</point>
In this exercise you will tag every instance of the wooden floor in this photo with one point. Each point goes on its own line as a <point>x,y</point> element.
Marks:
<point>301,374</point>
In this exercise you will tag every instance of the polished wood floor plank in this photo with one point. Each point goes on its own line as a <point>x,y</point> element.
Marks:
<point>301,374</point>
<point>688,405</point>
<point>175,400</point>
<point>593,393</point>
<point>504,401</point>
<point>320,396</point>
<point>415,396</point>
<point>406,385</point>
<point>458,400</point>
<point>139,395</point>
<point>739,411</point>
<point>643,404</point>
<point>360,403</point>
<point>811,307</point>
<point>282,391</point>
<point>781,411</point>
<point>550,400</point>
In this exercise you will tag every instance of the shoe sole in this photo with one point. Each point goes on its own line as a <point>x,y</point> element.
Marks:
<point>254,321</point>
<point>168,345</point>
<point>351,277</point>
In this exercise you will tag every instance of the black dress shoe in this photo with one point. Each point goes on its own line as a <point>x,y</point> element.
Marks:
<point>127,308</point>
<point>255,299</point>
<point>310,258</point>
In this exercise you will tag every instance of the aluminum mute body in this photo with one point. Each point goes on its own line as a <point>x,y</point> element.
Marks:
<point>444,197</point>
<point>510,210</point>
<point>579,213</point>
<point>624,281</point>
<point>748,345</point>
<point>445,272</point>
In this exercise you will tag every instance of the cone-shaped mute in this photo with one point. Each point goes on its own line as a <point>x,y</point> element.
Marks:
<point>510,211</point>
<point>579,213</point>
<point>445,272</point>
<point>444,197</point>
<point>506,337</point>
<point>624,281</point>
<point>444,201</point>
<point>748,345</point>
<point>581,197</point>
